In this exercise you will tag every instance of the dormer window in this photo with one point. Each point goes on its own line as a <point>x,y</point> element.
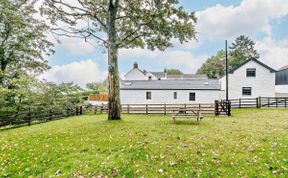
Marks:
<point>251,73</point>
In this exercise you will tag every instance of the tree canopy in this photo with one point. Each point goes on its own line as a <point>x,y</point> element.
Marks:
<point>241,50</point>
<point>116,24</point>
<point>173,71</point>
<point>23,40</point>
<point>214,67</point>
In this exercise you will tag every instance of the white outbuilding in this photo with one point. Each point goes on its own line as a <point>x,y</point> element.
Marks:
<point>170,91</point>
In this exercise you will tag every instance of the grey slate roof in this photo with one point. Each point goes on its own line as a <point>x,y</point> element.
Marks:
<point>158,74</point>
<point>255,60</point>
<point>170,85</point>
<point>179,76</point>
<point>283,68</point>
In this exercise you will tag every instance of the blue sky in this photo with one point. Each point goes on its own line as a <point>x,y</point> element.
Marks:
<point>264,21</point>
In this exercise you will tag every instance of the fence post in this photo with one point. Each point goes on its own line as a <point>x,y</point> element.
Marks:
<point>67,112</point>
<point>229,107</point>
<point>268,102</point>
<point>29,117</point>
<point>76,111</point>
<point>50,114</point>
<point>128,109</point>
<point>216,108</point>
<point>102,108</point>
<point>95,110</point>
<point>239,102</point>
<point>81,110</point>
<point>165,109</point>
<point>285,103</point>
<point>260,102</point>
<point>146,108</point>
<point>257,102</point>
<point>276,102</point>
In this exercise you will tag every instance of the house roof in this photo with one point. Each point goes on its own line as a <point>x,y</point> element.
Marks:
<point>255,60</point>
<point>170,85</point>
<point>158,74</point>
<point>134,69</point>
<point>283,68</point>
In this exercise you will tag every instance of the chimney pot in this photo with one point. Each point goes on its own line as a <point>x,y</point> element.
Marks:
<point>135,65</point>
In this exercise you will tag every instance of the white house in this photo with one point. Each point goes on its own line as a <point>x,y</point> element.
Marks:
<point>143,87</point>
<point>170,91</point>
<point>250,80</point>
<point>282,82</point>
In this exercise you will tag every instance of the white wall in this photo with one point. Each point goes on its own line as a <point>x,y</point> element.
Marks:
<point>166,96</point>
<point>281,90</point>
<point>262,85</point>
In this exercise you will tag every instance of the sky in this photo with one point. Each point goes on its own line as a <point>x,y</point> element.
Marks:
<point>264,21</point>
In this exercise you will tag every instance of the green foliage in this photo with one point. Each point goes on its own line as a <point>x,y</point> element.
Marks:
<point>23,40</point>
<point>26,92</point>
<point>241,50</point>
<point>117,24</point>
<point>251,143</point>
<point>214,67</point>
<point>97,87</point>
<point>174,71</point>
<point>127,24</point>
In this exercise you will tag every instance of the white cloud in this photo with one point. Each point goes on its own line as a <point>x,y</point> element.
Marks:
<point>137,53</point>
<point>81,73</point>
<point>76,46</point>
<point>184,60</point>
<point>249,18</point>
<point>273,53</point>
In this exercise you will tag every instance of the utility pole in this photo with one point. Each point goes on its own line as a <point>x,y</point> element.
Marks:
<point>227,79</point>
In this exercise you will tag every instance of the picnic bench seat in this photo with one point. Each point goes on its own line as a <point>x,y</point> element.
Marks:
<point>187,113</point>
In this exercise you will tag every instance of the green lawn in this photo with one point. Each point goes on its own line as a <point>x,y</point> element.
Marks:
<point>251,143</point>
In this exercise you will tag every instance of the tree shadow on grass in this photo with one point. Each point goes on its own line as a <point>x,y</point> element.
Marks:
<point>186,122</point>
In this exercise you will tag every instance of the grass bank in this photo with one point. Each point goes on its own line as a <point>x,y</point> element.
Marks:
<point>250,143</point>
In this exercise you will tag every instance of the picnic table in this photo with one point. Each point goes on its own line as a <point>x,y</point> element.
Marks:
<point>187,113</point>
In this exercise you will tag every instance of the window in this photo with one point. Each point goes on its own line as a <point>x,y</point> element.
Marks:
<point>148,96</point>
<point>246,91</point>
<point>251,73</point>
<point>175,95</point>
<point>150,77</point>
<point>192,96</point>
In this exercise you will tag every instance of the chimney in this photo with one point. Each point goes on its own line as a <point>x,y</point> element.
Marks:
<point>135,65</point>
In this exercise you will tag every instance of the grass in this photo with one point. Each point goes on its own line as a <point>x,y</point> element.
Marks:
<point>250,143</point>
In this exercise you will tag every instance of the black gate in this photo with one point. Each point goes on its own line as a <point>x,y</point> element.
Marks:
<point>223,108</point>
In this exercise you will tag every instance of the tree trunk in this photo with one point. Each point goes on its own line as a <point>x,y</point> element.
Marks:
<point>114,105</point>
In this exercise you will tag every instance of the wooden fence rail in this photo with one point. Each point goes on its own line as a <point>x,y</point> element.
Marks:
<point>32,117</point>
<point>260,102</point>
<point>206,109</point>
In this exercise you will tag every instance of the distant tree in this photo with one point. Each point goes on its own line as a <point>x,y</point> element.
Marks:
<point>97,87</point>
<point>214,67</point>
<point>174,71</point>
<point>117,24</point>
<point>23,40</point>
<point>241,50</point>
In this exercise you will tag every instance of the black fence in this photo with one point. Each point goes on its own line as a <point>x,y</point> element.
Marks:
<point>32,117</point>
<point>260,102</point>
